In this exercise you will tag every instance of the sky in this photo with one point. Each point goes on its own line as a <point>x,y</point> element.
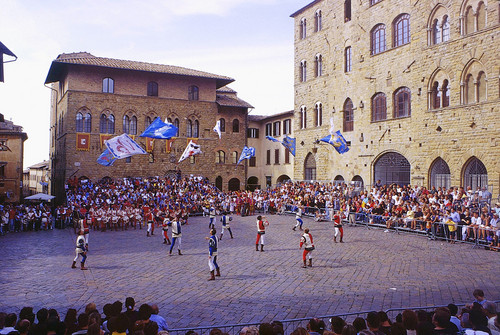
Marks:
<point>248,40</point>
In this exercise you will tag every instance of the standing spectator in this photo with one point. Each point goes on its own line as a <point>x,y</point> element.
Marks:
<point>453,311</point>
<point>10,323</point>
<point>479,296</point>
<point>131,313</point>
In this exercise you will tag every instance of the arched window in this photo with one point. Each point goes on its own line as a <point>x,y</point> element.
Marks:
<point>481,16</point>
<point>234,157</point>
<point>348,115</point>
<point>481,87</point>
<point>189,128</point>
<point>446,28</point>
<point>303,71</point>
<point>236,126</point>
<point>196,128</point>
<point>126,124</point>
<point>133,126</point>
<point>79,122</point>
<point>310,167</point>
<point>152,89</point>
<point>377,39</point>
<point>475,174</point>
<point>402,102</point>
<point>87,123</point>
<point>303,28</point>
<point>220,157</point>
<point>176,124</point>
<point>401,30</point>
<point>318,65</point>
<point>193,92</point>
<point>317,21</point>
<point>469,21</point>
<point>469,89</point>
<point>379,107</point>
<point>108,85</point>
<point>111,124</point>
<point>318,114</point>
<point>222,125</point>
<point>147,122</point>
<point>436,95</point>
<point>392,168</point>
<point>436,32</point>
<point>103,124</point>
<point>446,93</point>
<point>348,59</point>
<point>440,175</point>
<point>303,117</point>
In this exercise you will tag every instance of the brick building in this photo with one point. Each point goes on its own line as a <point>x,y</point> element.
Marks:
<point>273,163</point>
<point>12,140</point>
<point>95,98</point>
<point>412,85</point>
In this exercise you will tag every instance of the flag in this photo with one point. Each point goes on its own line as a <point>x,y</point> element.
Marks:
<point>191,150</point>
<point>123,146</point>
<point>270,138</point>
<point>217,129</point>
<point>332,127</point>
<point>82,141</point>
<point>289,143</point>
<point>246,153</point>
<point>160,129</point>
<point>150,144</point>
<point>338,141</point>
<point>106,158</point>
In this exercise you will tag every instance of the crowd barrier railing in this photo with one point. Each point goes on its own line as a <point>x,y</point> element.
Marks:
<point>289,325</point>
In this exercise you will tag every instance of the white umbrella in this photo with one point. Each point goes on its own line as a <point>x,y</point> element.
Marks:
<point>40,196</point>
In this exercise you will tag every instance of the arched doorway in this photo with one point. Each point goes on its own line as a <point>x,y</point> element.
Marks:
<point>392,168</point>
<point>218,182</point>
<point>253,183</point>
<point>338,180</point>
<point>310,167</point>
<point>440,175</point>
<point>358,182</point>
<point>475,174</point>
<point>233,184</point>
<point>283,178</point>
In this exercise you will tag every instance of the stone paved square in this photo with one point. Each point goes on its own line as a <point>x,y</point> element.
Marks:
<point>372,270</point>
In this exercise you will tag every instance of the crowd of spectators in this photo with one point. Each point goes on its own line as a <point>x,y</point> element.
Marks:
<point>456,214</point>
<point>479,318</point>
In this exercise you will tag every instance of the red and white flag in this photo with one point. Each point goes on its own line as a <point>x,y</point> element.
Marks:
<point>191,150</point>
<point>123,146</point>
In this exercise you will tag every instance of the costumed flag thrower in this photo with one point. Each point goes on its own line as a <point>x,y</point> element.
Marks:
<point>217,129</point>
<point>246,153</point>
<point>191,150</point>
<point>123,146</point>
<point>160,129</point>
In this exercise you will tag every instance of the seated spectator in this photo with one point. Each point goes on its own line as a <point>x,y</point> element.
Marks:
<point>83,324</point>
<point>70,321</point>
<point>300,331</point>
<point>373,323</point>
<point>349,330</point>
<point>453,311</point>
<point>337,324</point>
<point>490,310</point>
<point>23,327</point>
<point>265,329</point>
<point>27,313</point>
<point>118,325</point>
<point>162,323</point>
<point>10,323</point>
<point>278,328</point>
<point>131,313</point>
<point>385,323</point>
<point>316,326</point>
<point>250,330</point>
<point>359,324</point>
<point>40,328</point>
<point>479,323</point>
<point>410,322</point>
<point>397,329</point>
<point>442,323</point>
<point>91,307</point>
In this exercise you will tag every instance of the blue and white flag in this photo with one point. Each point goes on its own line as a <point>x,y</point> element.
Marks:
<point>289,143</point>
<point>160,129</point>
<point>270,138</point>
<point>123,146</point>
<point>246,153</point>
<point>106,158</point>
<point>338,141</point>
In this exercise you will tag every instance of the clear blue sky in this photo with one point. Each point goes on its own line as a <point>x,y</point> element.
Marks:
<point>248,40</point>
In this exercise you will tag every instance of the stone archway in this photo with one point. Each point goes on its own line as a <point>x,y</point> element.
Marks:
<point>283,178</point>
<point>474,174</point>
<point>218,182</point>
<point>233,184</point>
<point>439,174</point>
<point>392,168</point>
<point>253,183</point>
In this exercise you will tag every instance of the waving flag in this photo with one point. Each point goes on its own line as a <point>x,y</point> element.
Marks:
<point>289,143</point>
<point>191,150</point>
<point>123,146</point>
<point>270,138</point>
<point>106,158</point>
<point>160,129</point>
<point>338,141</point>
<point>217,129</point>
<point>332,127</point>
<point>246,153</point>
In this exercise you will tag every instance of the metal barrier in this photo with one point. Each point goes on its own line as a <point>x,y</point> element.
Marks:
<point>289,325</point>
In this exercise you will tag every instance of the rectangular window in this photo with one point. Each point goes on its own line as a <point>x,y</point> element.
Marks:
<point>128,159</point>
<point>253,133</point>
<point>348,59</point>
<point>347,10</point>
<point>268,157</point>
<point>287,127</point>
<point>269,129</point>
<point>2,171</point>
<point>277,128</point>
<point>253,161</point>
<point>276,156</point>
<point>287,156</point>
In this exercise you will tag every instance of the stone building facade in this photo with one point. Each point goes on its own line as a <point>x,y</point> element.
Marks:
<point>12,140</point>
<point>413,86</point>
<point>95,98</point>
<point>273,163</point>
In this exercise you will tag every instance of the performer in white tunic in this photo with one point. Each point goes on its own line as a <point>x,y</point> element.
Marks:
<point>306,240</point>
<point>80,250</point>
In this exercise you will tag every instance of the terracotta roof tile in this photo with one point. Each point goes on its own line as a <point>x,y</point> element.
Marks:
<point>224,100</point>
